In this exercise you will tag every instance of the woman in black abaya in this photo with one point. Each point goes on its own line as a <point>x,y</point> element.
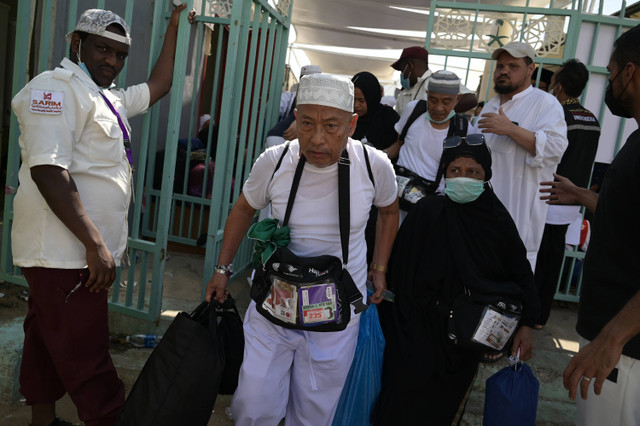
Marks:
<point>463,239</point>
<point>375,120</point>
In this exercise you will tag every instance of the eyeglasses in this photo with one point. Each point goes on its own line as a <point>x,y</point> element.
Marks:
<point>471,140</point>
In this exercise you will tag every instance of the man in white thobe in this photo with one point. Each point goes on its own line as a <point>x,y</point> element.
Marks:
<point>527,134</point>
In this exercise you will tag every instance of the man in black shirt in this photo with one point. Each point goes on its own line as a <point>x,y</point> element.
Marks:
<point>609,314</point>
<point>583,133</point>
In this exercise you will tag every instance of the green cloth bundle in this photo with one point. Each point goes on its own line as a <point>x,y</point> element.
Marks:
<point>269,236</point>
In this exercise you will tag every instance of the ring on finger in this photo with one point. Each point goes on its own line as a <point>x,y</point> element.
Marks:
<point>587,379</point>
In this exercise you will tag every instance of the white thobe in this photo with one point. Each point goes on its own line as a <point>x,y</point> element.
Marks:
<point>516,173</point>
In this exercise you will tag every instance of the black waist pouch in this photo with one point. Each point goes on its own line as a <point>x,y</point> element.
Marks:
<point>305,293</point>
<point>412,187</point>
<point>483,322</point>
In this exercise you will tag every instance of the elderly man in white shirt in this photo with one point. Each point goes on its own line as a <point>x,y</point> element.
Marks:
<point>527,134</point>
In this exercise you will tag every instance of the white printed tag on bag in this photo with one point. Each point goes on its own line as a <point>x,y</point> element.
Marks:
<point>495,328</point>
<point>43,102</point>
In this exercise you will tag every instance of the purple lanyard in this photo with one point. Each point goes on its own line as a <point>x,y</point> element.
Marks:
<point>125,134</point>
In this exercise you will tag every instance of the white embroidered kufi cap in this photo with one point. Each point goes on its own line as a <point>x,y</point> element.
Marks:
<point>310,69</point>
<point>327,90</point>
<point>96,21</point>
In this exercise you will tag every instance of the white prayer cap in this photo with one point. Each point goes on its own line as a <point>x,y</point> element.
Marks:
<point>327,90</point>
<point>96,21</point>
<point>310,69</point>
<point>203,119</point>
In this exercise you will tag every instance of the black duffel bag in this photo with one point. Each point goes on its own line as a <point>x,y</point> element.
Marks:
<point>179,382</point>
<point>231,338</point>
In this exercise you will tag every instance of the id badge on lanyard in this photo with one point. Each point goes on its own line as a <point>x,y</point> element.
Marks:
<point>125,138</point>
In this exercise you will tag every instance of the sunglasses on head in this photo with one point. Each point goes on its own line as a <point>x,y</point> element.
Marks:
<point>471,140</point>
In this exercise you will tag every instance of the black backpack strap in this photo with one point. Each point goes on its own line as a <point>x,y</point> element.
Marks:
<point>344,201</point>
<point>344,195</point>
<point>458,126</point>
<point>284,152</point>
<point>366,160</point>
<point>344,204</point>
<point>420,108</point>
<point>294,188</point>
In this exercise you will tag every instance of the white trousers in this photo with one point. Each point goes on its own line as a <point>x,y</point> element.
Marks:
<point>294,374</point>
<point>619,403</point>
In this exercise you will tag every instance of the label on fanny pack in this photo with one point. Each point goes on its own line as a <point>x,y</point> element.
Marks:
<point>282,301</point>
<point>495,328</point>
<point>318,303</point>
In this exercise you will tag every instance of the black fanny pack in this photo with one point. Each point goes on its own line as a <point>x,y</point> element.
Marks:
<point>483,322</point>
<point>412,187</point>
<point>309,293</point>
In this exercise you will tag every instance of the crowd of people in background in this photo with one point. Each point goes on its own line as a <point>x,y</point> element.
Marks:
<point>489,228</point>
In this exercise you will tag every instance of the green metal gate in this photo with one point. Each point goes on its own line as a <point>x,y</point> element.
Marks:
<point>245,71</point>
<point>558,31</point>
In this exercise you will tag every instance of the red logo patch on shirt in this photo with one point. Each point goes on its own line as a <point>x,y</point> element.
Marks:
<point>43,102</point>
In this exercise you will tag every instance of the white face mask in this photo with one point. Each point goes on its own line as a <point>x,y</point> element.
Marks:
<point>80,63</point>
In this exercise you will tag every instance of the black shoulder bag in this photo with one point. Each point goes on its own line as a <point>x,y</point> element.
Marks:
<point>310,293</point>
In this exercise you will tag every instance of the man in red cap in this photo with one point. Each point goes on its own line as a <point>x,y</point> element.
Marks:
<point>414,75</point>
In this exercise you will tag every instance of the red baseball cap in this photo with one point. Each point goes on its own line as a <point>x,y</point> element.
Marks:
<point>413,52</point>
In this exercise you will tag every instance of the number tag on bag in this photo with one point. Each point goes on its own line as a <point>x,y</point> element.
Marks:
<point>495,328</point>
<point>315,303</point>
<point>318,303</point>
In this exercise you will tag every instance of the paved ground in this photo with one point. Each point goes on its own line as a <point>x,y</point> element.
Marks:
<point>554,346</point>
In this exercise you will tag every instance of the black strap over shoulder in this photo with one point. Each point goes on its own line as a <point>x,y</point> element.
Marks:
<point>284,152</point>
<point>458,126</point>
<point>344,202</point>
<point>420,108</point>
<point>366,160</point>
<point>344,196</point>
<point>344,205</point>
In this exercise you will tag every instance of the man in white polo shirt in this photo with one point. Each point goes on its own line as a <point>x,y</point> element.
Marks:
<point>70,225</point>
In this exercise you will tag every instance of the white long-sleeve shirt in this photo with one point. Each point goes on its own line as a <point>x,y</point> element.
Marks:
<point>516,173</point>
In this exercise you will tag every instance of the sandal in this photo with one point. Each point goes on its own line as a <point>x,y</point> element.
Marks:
<point>492,357</point>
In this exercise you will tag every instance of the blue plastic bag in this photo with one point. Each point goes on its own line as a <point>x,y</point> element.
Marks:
<point>363,383</point>
<point>511,397</point>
